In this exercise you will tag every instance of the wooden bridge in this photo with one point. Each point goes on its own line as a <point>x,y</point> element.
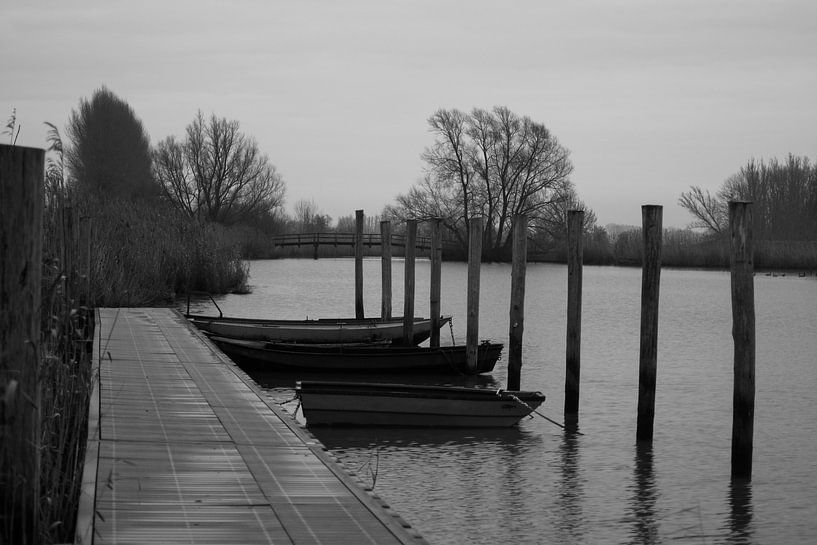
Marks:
<point>344,239</point>
<point>316,240</point>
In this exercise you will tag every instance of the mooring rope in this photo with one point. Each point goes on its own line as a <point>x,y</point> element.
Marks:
<point>500,392</point>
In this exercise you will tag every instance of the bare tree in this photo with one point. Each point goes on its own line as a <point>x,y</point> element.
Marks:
<point>710,212</point>
<point>494,163</point>
<point>308,218</point>
<point>784,196</point>
<point>217,173</point>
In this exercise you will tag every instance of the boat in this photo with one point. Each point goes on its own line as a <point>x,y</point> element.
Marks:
<point>325,330</point>
<point>372,404</point>
<point>360,357</point>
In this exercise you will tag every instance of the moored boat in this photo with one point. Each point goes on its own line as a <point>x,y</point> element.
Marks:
<point>373,404</point>
<point>381,358</point>
<point>326,330</point>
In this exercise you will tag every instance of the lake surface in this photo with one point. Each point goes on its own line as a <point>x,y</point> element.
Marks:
<point>536,484</point>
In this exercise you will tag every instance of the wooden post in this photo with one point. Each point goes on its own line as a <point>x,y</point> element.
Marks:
<point>359,264</point>
<point>575,234</point>
<point>21,206</point>
<point>650,281</point>
<point>475,226</point>
<point>517,313</point>
<point>385,270</point>
<point>436,280</point>
<point>315,245</point>
<point>408,292</point>
<point>743,335</point>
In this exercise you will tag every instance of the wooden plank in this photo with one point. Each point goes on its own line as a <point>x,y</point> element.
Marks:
<point>191,452</point>
<point>21,234</point>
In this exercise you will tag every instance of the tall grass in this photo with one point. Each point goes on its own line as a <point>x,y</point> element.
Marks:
<point>98,253</point>
<point>146,253</point>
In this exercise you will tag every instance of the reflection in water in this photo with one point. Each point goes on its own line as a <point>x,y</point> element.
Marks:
<point>570,489</point>
<point>645,494</point>
<point>740,511</point>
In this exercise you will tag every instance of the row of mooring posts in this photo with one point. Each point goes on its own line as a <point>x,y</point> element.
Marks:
<point>743,327</point>
<point>743,330</point>
<point>409,275</point>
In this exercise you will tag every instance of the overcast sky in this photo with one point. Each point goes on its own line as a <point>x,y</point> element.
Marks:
<point>650,97</point>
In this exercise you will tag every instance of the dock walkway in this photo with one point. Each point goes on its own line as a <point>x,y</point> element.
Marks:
<point>190,451</point>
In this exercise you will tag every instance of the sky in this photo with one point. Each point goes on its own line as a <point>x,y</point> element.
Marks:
<point>650,97</point>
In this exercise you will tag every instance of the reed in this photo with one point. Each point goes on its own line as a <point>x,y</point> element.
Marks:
<point>98,253</point>
<point>147,254</point>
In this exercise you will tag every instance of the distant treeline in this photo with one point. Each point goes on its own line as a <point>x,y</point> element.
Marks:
<point>680,248</point>
<point>687,248</point>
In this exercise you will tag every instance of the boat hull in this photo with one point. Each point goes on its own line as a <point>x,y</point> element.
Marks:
<point>357,358</point>
<point>315,331</point>
<point>373,404</point>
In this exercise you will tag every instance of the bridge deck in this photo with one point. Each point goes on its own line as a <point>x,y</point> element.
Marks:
<point>190,451</point>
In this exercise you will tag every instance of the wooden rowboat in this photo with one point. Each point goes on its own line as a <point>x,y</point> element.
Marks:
<point>373,404</point>
<point>329,330</point>
<point>374,358</point>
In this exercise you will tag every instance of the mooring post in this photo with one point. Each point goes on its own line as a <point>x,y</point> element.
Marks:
<point>743,335</point>
<point>359,264</point>
<point>385,270</point>
<point>575,234</point>
<point>408,291</point>
<point>472,300</point>
<point>650,281</point>
<point>436,280</point>
<point>517,313</point>
<point>21,206</point>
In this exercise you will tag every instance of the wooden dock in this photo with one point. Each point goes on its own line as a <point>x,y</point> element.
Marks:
<point>185,448</point>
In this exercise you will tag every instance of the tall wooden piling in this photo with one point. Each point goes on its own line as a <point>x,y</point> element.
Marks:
<point>21,206</point>
<point>575,234</point>
<point>743,335</point>
<point>436,280</point>
<point>385,270</point>
<point>408,291</point>
<point>517,312</point>
<point>475,226</point>
<point>650,281</point>
<point>359,264</point>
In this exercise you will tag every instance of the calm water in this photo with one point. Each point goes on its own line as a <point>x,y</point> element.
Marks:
<point>534,484</point>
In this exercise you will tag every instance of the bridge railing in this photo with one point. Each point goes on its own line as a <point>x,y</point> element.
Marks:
<point>343,239</point>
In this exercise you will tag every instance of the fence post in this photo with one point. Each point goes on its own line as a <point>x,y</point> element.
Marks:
<point>359,264</point>
<point>517,312</point>
<point>650,281</point>
<point>743,336</point>
<point>436,280</point>
<point>575,232</point>
<point>385,270</point>
<point>408,292</point>
<point>472,301</point>
<point>21,206</point>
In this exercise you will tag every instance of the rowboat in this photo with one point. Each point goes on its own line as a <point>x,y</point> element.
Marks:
<point>373,404</point>
<point>327,330</point>
<point>383,357</point>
